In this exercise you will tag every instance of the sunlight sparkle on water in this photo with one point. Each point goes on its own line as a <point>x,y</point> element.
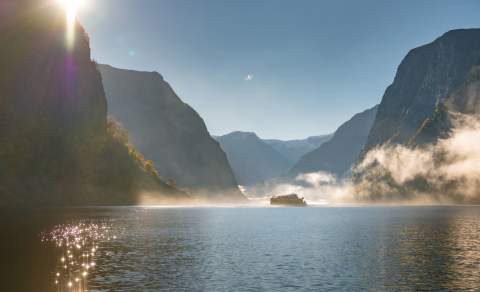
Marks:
<point>78,247</point>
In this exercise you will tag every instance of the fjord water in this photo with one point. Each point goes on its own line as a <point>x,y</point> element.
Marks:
<point>253,249</point>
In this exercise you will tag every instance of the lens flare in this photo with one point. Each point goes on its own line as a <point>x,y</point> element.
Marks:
<point>71,8</point>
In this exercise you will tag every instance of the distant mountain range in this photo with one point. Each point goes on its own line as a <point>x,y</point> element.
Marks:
<point>294,149</point>
<point>256,161</point>
<point>169,132</point>
<point>252,159</point>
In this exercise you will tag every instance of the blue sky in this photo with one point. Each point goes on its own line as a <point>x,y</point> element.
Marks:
<point>283,69</point>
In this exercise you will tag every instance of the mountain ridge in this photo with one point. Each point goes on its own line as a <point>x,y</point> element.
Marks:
<point>169,132</point>
<point>252,159</point>
<point>426,76</point>
<point>427,125</point>
<point>294,149</point>
<point>338,154</point>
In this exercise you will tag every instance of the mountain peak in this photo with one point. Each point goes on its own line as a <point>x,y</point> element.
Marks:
<point>427,75</point>
<point>459,33</point>
<point>106,67</point>
<point>242,135</point>
<point>169,133</point>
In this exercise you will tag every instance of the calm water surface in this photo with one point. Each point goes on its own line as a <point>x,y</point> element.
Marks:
<point>246,249</point>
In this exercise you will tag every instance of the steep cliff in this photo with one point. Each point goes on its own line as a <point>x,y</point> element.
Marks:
<point>426,76</point>
<point>169,132</point>
<point>438,164</point>
<point>423,142</point>
<point>56,145</point>
<point>464,101</point>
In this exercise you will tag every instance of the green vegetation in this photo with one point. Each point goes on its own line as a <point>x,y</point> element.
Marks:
<point>120,135</point>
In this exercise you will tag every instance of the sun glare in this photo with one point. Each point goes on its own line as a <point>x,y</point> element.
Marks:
<point>71,8</point>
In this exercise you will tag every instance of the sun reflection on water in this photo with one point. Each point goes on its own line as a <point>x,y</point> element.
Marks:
<point>78,248</point>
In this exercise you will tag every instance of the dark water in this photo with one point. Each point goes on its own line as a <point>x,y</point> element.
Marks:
<point>249,249</point>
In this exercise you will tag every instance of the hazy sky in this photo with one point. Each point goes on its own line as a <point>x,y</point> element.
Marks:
<point>283,69</point>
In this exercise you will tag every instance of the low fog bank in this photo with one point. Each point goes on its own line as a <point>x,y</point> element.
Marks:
<point>445,172</point>
<point>193,198</point>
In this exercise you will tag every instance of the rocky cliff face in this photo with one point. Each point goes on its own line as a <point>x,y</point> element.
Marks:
<point>169,132</point>
<point>253,161</point>
<point>339,153</point>
<point>56,145</point>
<point>464,101</point>
<point>438,164</point>
<point>426,76</point>
<point>427,127</point>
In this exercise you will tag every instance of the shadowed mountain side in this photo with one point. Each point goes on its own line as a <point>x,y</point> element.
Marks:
<point>252,159</point>
<point>439,164</point>
<point>427,127</point>
<point>294,149</point>
<point>339,153</point>
<point>56,146</point>
<point>465,100</point>
<point>426,76</point>
<point>169,132</point>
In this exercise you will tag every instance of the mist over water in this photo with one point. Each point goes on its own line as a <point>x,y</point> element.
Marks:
<point>317,188</point>
<point>445,172</point>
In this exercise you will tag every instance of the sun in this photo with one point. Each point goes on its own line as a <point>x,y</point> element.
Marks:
<point>71,8</point>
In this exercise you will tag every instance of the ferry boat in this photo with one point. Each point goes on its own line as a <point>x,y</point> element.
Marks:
<point>288,200</point>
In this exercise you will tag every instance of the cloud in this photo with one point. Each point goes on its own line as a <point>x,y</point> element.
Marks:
<point>316,187</point>
<point>249,77</point>
<point>316,179</point>
<point>446,171</point>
